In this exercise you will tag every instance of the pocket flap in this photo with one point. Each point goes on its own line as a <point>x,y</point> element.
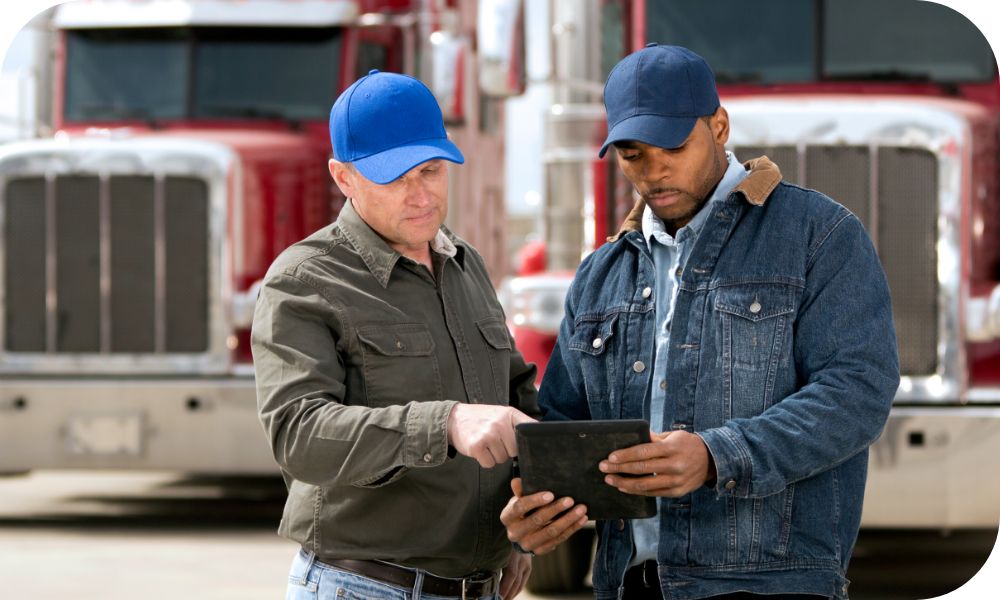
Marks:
<point>755,305</point>
<point>592,336</point>
<point>495,331</point>
<point>398,340</point>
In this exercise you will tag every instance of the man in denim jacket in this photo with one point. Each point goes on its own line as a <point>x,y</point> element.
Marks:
<point>749,320</point>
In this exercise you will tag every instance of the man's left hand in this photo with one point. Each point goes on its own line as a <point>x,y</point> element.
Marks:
<point>515,575</point>
<point>675,463</point>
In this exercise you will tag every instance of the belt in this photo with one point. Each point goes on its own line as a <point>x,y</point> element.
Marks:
<point>473,586</point>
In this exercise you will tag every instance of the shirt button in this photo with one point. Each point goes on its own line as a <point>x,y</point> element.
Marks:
<point>399,344</point>
<point>647,292</point>
<point>679,271</point>
<point>755,307</point>
<point>639,366</point>
<point>428,457</point>
<point>730,484</point>
<point>663,384</point>
<point>598,342</point>
<point>621,524</point>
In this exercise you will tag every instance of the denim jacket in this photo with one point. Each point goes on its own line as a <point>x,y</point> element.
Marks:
<point>782,358</point>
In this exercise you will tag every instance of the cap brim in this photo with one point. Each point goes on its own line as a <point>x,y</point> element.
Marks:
<point>389,165</point>
<point>655,130</point>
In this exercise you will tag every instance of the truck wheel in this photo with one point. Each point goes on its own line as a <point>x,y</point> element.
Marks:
<point>563,570</point>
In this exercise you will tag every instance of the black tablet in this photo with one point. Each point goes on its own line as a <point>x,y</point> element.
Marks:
<point>562,457</point>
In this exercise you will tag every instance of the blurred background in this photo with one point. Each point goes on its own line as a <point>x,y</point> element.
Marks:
<point>155,155</point>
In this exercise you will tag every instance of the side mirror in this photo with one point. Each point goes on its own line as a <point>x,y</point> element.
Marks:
<point>500,36</point>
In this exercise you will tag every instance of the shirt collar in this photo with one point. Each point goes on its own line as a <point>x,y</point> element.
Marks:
<point>378,256</point>
<point>654,229</point>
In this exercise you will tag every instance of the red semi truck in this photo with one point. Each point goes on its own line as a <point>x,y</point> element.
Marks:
<point>891,107</point>
<point>190,148</point>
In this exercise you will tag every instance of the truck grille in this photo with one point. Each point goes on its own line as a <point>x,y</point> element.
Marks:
<point>118,264</point>
<point>893,191</point>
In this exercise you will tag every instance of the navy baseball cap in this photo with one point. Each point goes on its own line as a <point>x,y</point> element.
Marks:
<point>386,123</point>
<point>656,95</point>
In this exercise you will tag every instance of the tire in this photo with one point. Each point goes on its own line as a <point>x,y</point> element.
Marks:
<point>564,570</point>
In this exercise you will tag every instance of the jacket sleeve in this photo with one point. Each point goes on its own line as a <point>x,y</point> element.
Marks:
<point>844,350</point>
<point>314,436</point>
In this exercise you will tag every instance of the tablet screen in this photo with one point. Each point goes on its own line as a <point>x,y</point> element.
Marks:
<point>563,457</point>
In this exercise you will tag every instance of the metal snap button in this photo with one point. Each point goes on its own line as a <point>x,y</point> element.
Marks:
<point>647,292</point>
<point>663,384</point>
<point>598,342</point>
<point>755,307</point>
<point>639,366</point>
<point>730,484</point>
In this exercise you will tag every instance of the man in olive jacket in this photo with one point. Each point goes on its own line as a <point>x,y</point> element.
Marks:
<point>387,381</point>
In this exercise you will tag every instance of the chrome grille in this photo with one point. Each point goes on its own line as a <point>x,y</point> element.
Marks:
<point>112,265</point>
<point>894,194</point>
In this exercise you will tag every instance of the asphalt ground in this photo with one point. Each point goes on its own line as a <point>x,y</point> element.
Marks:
<point>99,535</point>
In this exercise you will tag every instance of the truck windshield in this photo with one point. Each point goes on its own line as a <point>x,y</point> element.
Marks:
<point>790,41</point>
<point>201,73</point>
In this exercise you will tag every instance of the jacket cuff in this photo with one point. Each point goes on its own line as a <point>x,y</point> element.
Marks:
<point>733,466</point>
<point>426,443</point>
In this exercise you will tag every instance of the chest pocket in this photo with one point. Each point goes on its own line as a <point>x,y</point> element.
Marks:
<point>593,346</point>
<point>399,364</point>
<point>755,319</point>
<point>593,337</point>
<point>756,328</point>
<point>494,332</point>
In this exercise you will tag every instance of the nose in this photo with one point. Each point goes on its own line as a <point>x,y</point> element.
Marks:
<point>656,166</point>
<point>417,192</point>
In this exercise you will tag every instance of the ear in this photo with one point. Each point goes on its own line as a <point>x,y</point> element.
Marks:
<point>720,126</point>
<point>343,176</point>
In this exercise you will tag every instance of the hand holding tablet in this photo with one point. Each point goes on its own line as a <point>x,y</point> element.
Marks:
<point>563,457</point>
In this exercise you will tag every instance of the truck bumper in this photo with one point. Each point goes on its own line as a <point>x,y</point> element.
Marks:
<point>203,425</point>
<point>936,468</point>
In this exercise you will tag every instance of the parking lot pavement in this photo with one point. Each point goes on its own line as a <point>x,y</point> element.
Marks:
<point>103,535</point>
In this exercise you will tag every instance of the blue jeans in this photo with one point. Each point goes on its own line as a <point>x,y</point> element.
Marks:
<point>310,579</point>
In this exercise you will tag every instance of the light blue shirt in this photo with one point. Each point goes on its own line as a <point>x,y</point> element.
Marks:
<point>670,255</point>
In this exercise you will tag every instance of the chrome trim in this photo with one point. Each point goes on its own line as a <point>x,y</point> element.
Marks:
<point>51,273</point>
<point>876,122</point>
<point>159,263</point>
<point>104,217</point>
<point>873,195</point>
<point>148,156</point>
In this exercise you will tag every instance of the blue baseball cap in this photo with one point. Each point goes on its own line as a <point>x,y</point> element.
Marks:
<point>386,123</point>
<point>656,95</point>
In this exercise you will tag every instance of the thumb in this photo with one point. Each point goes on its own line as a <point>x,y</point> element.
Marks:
<point>517,417</point>
<point>515,486</point>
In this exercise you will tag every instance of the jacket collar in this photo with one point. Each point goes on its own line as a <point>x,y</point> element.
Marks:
<point>377,255</point>
<point>756,188</point>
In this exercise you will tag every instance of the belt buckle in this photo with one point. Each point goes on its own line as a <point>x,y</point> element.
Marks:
<point>481,581</point>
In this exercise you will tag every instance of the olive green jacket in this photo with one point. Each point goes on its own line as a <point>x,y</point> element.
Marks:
<point>360,355</point>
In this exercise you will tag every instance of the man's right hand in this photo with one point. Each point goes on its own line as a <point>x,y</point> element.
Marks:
<point>538,523</point>
<point>485,432</point>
